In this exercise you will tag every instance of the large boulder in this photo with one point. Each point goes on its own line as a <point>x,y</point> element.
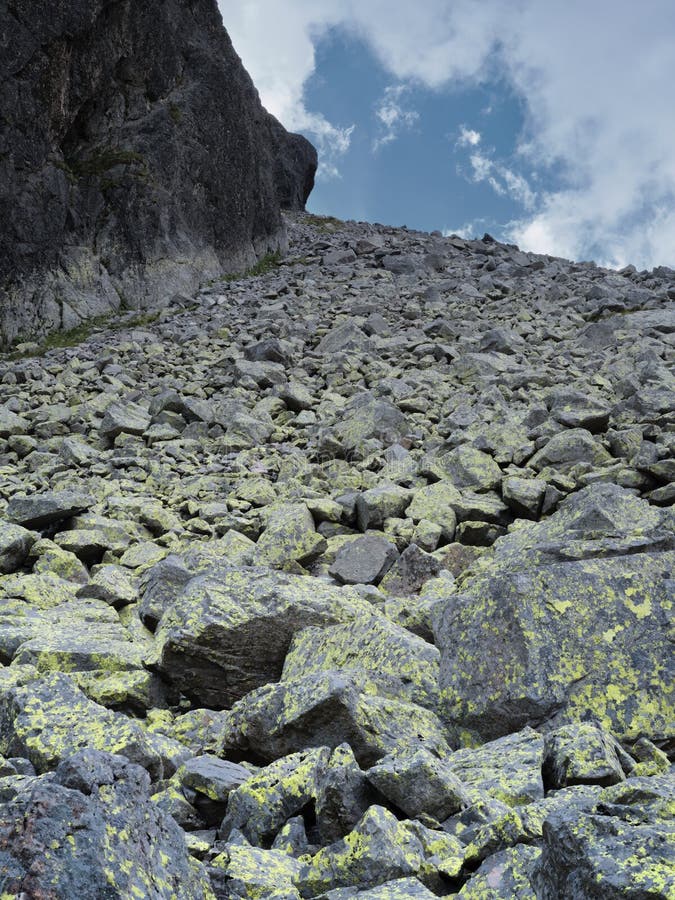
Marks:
<point>622,848</point>
<point>91,830</point>
<point>135,160</point>
<point>556,627</point>
<point>228,633</point>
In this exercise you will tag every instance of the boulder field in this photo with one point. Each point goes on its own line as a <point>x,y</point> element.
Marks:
<point>353,579</point>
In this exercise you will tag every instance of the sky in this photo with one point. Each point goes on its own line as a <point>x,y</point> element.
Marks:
<point>547,123</point>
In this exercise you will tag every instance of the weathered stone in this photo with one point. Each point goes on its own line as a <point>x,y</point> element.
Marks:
<point>568,448</point>
<point>213,777</point>
<point>326,710</point>
<point>373,507</point>
<point>621,849</point>
<point>467,467</point>
<point>343,794</point>
<point>581,754</point>
<point>419,784</point>
<point>365,560</point>
<point>41,510</point>
<point>93,832</point>
<point>289,537</point>
<point>504,876</point>
<point>410,572</point>
<point>402,665</point>
<point>15,544</point>
<point>266,800</point>
<point>50,719</point>
<point>229,634</point>
<point>572,626</point>
<point>508,769</point>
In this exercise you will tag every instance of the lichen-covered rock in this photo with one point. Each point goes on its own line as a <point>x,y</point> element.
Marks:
<point>532,637</point>
<point>328,709</point>
<point>399,889</point>
<point>418,784</point>
<point>504,876</point>
<point>215,778</point>
<point>228,634</point>
<point>266,800</point>
<point>581,754</point>
<point>410,572</point>
<point>402,665</point>
<point>376,505</point>
<point>467,467</point>
<point>623,848</point>
<point>90,830</point>
<point>15,544</point>
<point>378,850</point>
<point>569,448</point>
<point>364,561</point>
<point>49,719</point>
<point>343,794</point>
<point>40,510</point>
<point>508,769</point>
<point>368,418</point>
<point>289,537</point>
<point>248,873</point>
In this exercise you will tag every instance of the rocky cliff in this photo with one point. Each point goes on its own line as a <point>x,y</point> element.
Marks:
<point>135,158</point>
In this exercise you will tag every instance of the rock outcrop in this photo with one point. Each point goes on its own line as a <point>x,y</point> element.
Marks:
<point>136,160</point>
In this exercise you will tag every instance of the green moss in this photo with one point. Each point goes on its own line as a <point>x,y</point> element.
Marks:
<point>175,113</point>
<point>104,159</point>
<point>324,224</point>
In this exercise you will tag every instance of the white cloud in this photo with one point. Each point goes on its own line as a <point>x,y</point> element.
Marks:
<point>392,116</point>
<point>468,137</point>
<point>595,80</point>
<point>503,180</point>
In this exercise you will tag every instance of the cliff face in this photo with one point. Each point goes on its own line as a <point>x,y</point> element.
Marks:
<point>135,158</point>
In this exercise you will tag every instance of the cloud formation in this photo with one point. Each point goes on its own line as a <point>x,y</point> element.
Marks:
<point>392,115</point>
<point>595,81</point>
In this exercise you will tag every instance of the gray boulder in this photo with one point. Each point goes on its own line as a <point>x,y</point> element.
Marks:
<point>90,829</point>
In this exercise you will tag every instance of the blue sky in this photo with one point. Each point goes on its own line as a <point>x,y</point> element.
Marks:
<point>547,123</point>
<point>416,172</point>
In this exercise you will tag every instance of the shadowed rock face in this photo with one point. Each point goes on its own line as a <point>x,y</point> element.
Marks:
<point>135,158</point>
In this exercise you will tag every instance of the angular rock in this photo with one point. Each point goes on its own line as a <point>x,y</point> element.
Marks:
<point>343,794</point>
<point>373,507</point>
<point>419,784</point>
<point>266,800</point>
<point>621,849</point>
<point>49,720</point>
<point>508,769</point>
<point>572,626</point>
<point>467,467</point>
<point>378,850</point>
<point>325,710</point>
<point>15,544</point>
<point>581,754</point>
<point>568,448</point>
<point>410,572</point>
<point>41,510</point>
<point>504,876</point>
<point>289,536</point>
<point>402,665</point>
<point>364,561</point>
<point>215,778</point>
<point>226,635</point>
<point>90,830</point>
<point>124,418</point>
